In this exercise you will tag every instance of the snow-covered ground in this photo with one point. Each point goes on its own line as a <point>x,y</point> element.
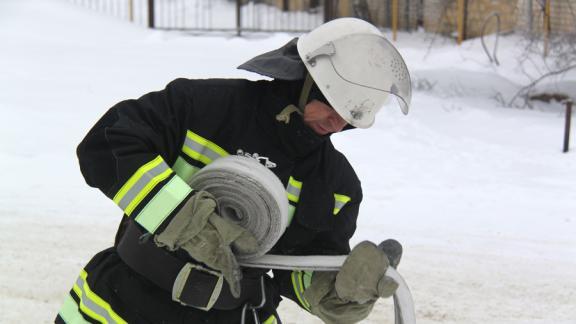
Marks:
<point>479,194</point>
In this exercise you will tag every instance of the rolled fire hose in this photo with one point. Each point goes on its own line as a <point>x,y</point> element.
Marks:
<point>244,188</point>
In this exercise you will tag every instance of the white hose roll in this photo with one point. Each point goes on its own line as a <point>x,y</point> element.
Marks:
<point>249,195</point>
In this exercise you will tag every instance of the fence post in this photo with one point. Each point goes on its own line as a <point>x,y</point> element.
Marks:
<point>407,11</point>
<point>238,17</point>
<point>546,26</point>
<point>530,17</point>
<point>151,14</point>
<point>465,21</point>
<point>460,21</point>
<point>394,19</point>
<point>131,10</point>
<point>567,126</point>
<point>327,10</point>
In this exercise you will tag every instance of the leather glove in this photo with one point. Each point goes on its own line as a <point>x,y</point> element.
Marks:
<point>208,238</point>
<point>362,277</point>
<point>349,295</point>
<point>328,306</point>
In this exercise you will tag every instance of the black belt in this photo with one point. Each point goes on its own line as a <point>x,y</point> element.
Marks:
<point>191,284</point>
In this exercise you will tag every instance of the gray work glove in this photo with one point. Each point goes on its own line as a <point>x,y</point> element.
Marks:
<point>328,306</point>
<point>349,295</point>
<point>362,278</point>
<point>208,238</point>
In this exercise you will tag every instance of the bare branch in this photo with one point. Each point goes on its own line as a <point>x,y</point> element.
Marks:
<point>528,87</point>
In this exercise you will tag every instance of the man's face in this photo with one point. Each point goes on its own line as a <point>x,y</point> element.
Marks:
<point>322,118</point>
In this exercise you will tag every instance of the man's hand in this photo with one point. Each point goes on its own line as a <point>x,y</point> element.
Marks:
<point>208,238</point>
<point>349,295</point>
<point>362,277</point>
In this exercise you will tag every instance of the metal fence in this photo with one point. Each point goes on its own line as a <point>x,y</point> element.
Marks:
<point>465,18</point>
<point>405,14</point>
<point>555,17</point>
<point>258,15</point>
<point>218,15</point>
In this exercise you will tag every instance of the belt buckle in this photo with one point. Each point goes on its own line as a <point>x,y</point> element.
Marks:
<point>181,283</point>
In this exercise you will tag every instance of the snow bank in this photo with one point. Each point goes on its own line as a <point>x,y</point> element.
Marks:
<point>479,194</point>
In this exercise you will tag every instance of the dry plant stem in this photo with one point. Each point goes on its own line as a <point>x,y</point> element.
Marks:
<point>527,88</point>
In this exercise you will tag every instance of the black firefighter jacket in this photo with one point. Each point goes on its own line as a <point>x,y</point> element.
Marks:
<point>141,152</point>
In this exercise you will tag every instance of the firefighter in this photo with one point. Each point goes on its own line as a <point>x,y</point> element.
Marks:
<point>142,153</point>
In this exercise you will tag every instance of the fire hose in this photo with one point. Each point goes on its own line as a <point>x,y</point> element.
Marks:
<point>251,196</point>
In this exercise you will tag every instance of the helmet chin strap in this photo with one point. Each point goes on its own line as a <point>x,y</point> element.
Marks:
<point>305,93</point>
<point>284,115</point>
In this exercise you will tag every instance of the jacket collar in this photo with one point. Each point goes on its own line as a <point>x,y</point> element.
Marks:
<point>296,138</point>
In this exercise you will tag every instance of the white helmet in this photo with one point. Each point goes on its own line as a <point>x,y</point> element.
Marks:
<point>356,69</point>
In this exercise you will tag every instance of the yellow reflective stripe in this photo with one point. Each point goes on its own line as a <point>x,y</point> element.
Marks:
<point>341,198</point>
<point>293,190</point>
<point>301,284</point>
<point>200,140</point>
<point>292,198</point>
<point>141,183</point>
<point>88,297</point>
<point>184,169</point>
<point>135,177</point>
<point>339,202</point>
<point>77,289</point>
<point>69,312</point>
<point>307,278</point>
<point>142,194</point>
<point>163,204</point>
<point>291,211</point>
<point>295,183</point>
<point>271,320</point>
<point>201,149</point>
<point>298,286</point>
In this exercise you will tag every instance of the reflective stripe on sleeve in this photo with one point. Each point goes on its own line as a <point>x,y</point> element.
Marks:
<point>163,204</point>
<point>201,149</point>
<point>184,169</point>
<point>291,211</point>
<point>339,202</point>
<point>298,285</point>
<point>293,190</point>
<point>141,183</point>
<point>92,305</point>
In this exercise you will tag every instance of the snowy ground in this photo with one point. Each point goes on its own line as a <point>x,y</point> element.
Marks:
<point>479,194</point>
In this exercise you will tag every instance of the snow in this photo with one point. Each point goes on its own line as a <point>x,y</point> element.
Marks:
<point>479,194</point>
